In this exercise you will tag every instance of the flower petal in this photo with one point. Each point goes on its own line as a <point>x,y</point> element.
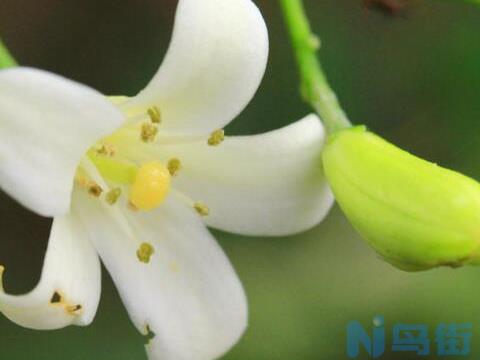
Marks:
<point>69,289</point>
<point>270,184</point>
<point>214,65</point>
<point>188,294</point>
<point>46,125</point>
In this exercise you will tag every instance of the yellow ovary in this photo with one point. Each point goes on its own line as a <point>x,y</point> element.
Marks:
<point>150,187</point>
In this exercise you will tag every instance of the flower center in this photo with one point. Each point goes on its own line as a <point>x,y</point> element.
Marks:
<point>124,160</point>
<point>148,181</point>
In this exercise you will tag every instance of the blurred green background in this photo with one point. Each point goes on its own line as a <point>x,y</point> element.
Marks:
<point>414,79</point>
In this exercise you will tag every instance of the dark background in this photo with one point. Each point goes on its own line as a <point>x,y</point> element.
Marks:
<point>414,79</point>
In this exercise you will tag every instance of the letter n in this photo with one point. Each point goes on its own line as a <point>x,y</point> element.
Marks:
<point>357,336</point>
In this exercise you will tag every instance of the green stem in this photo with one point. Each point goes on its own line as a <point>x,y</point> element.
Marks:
<point>468,1</point>
<point>314,85</point>
<point>6,59</point>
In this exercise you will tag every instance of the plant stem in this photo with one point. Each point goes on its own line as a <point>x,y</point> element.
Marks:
<point>314,85</point>
<point>6,59</point>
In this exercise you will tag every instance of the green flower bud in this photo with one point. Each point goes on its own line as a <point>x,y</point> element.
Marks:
<point>416,214</point>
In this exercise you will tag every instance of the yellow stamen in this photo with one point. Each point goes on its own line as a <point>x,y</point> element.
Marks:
<point>131,207</point>
<point>150,187</point>
<point>56,298</point>
<point>106,150</point>
<point>149,334</point>
<point>149,132</point>
<point>94,189</point>
<point>81,179</point>
<point>201,209</point>
<point>145,252</point>
<point>216,138</point>
<point>73,309</point>
<point>113,196</point>
<point>155,115</point>
<point>174,166</point>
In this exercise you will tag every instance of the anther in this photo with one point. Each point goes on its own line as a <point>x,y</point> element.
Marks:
<point>145,252</point>
<point>216,138</point>
<point>56,298</point>
<point>201,209</point>
<point>82,181</point>
<point>149,334</point>
<point>113,195</point>
<point>132,207</point>
<point>73,309</point>
<point>94,189</point>
<point>105,150</point>
<point>155,115</point>
<point>174,166</point>
<point>149,132</point>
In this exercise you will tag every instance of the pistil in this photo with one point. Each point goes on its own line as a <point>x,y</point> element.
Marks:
<point>151,186</point>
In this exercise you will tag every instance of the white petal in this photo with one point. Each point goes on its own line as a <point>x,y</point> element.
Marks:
<point>71,272</point>
<point>46,124</point>
<point>188,294</point>
<point>269,184</point>
<point>214,65</point>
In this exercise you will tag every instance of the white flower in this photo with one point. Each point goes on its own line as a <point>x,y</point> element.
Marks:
<point>68,152</point>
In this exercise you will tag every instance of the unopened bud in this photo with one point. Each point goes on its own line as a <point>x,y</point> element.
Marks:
<point>416,214</point>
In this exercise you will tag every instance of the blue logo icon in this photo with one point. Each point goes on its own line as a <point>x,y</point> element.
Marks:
<point>356,336</point>
<point>450,339</point>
